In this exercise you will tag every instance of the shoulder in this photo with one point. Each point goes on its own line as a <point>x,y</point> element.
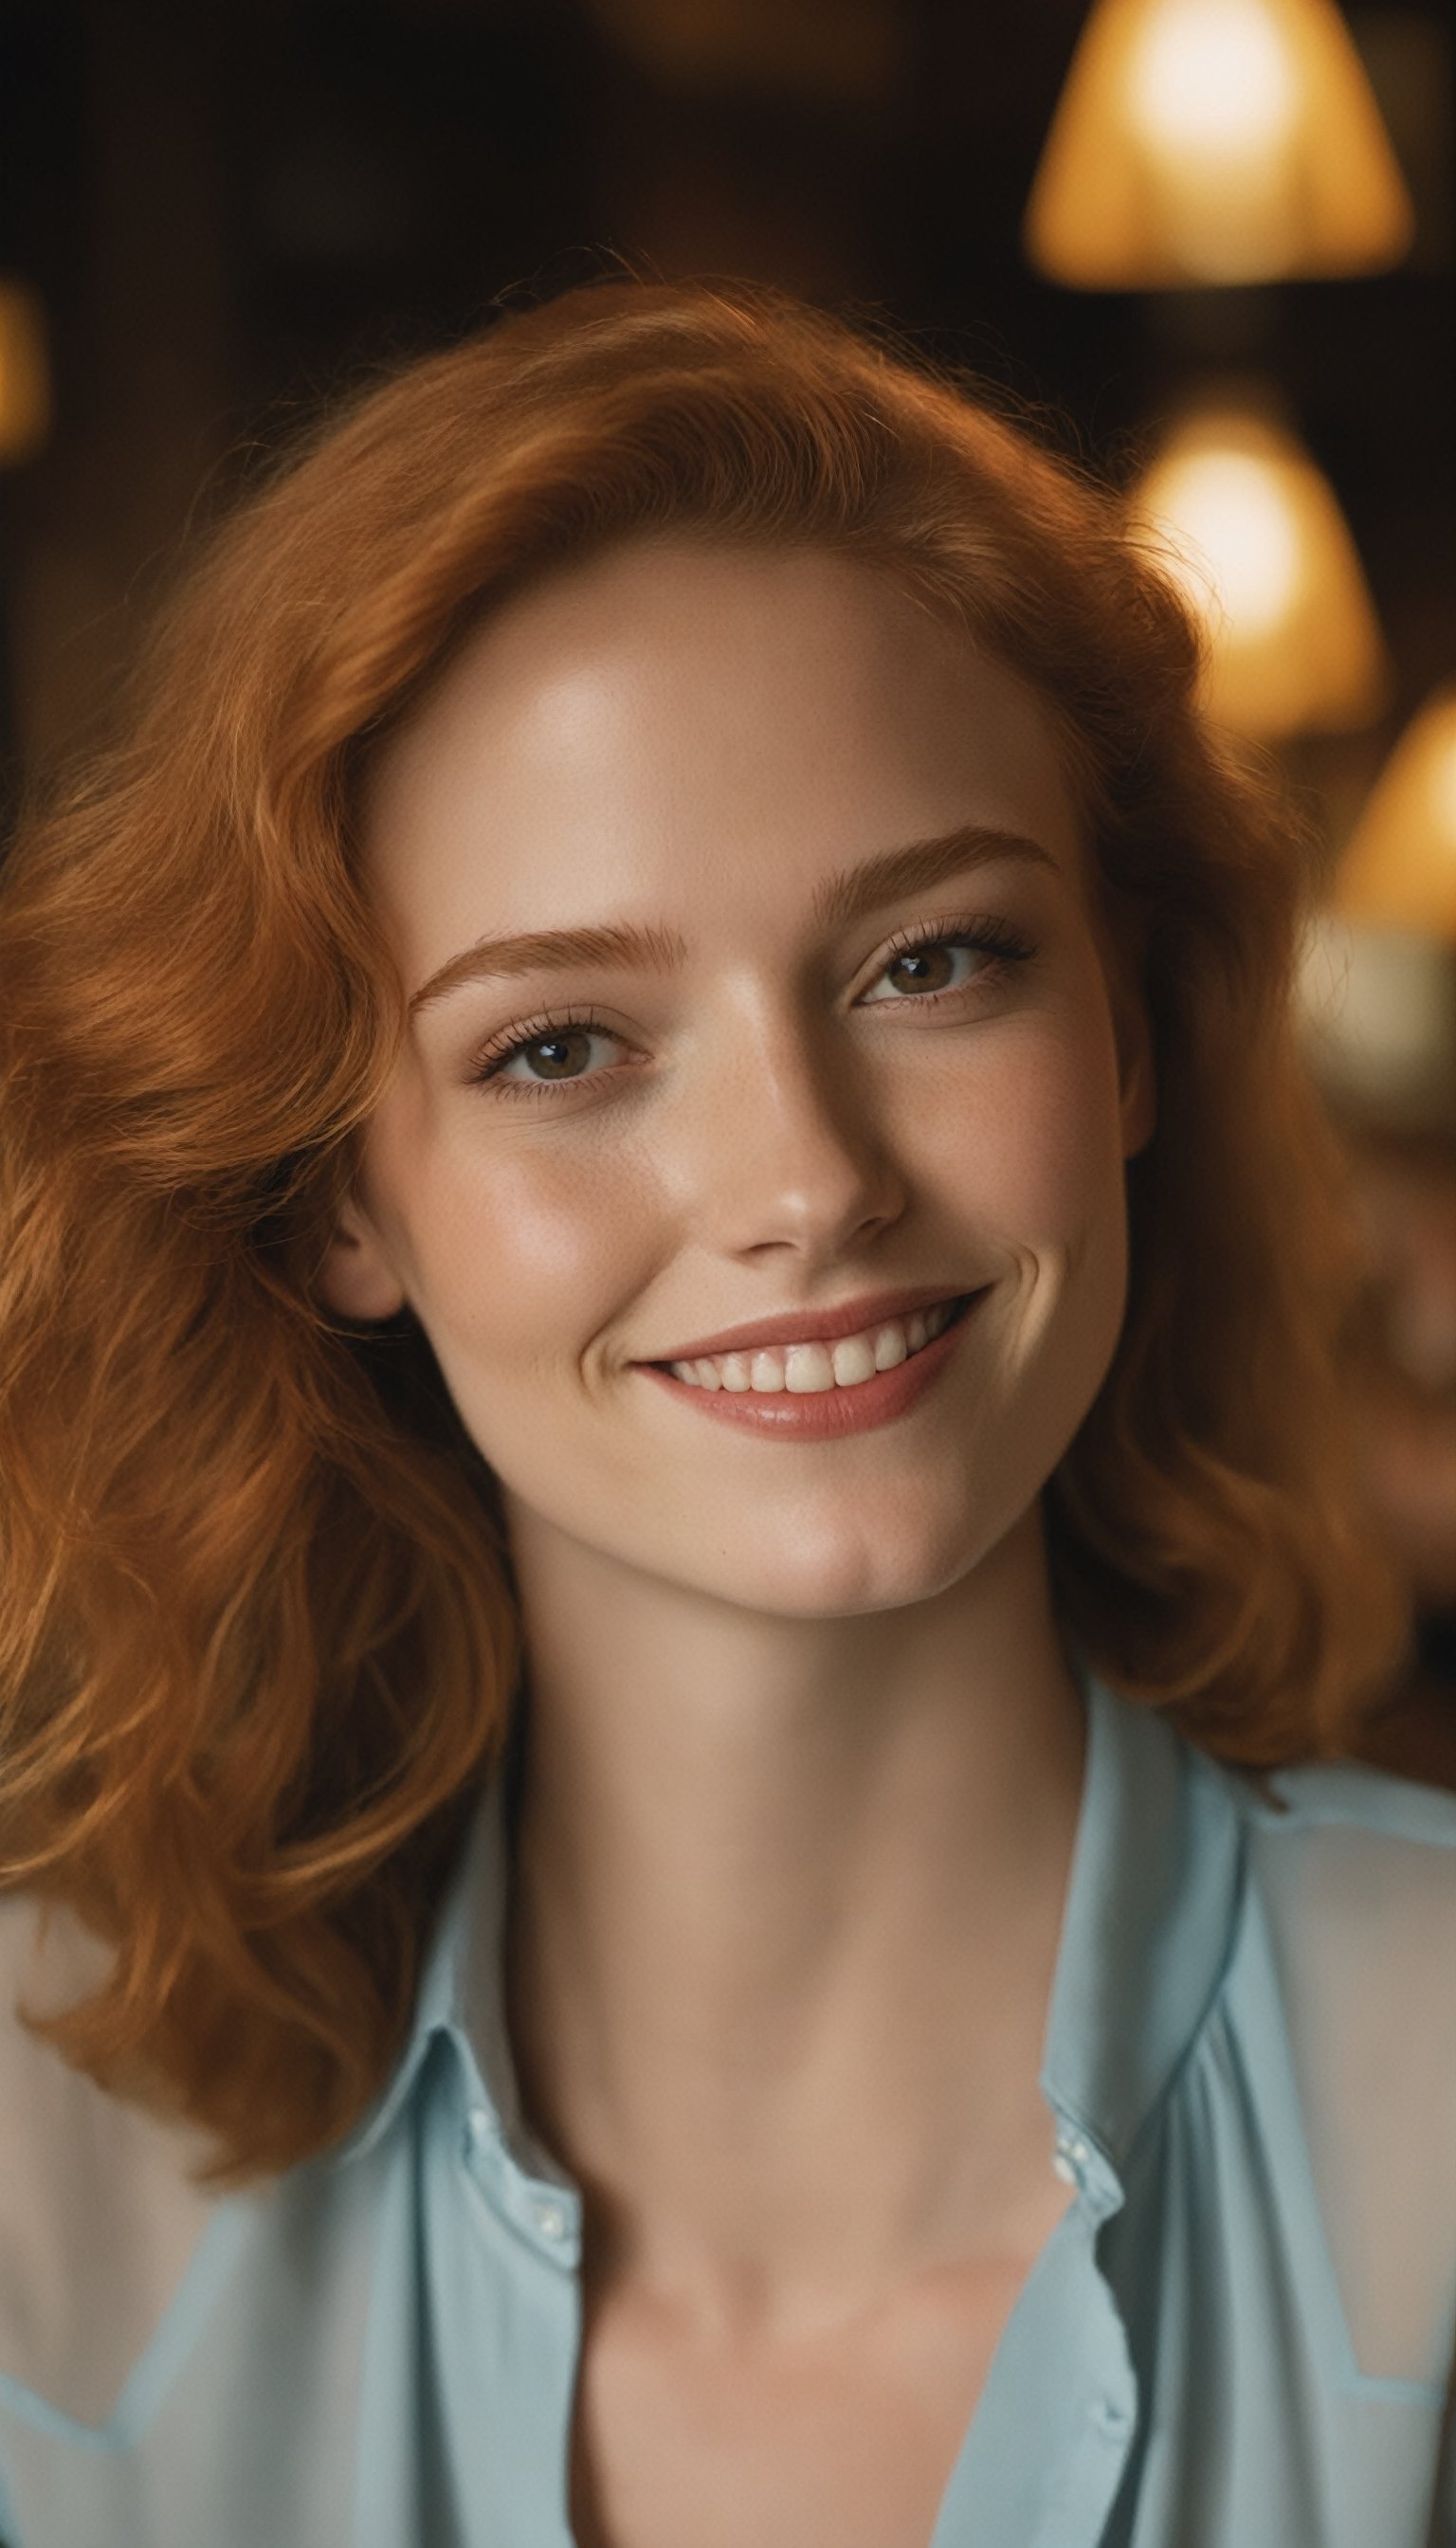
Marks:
<point>1350,1918</point>
<point>1355,1873</point>
<point>1349,1795</point>
<point>99,2211</point>
<point>1352,1860</point>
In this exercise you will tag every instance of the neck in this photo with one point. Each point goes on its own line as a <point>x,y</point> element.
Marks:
<point>784,1920</point>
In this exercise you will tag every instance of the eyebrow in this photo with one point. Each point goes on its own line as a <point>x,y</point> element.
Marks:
<point>851,894</point>
<point>856,893</point>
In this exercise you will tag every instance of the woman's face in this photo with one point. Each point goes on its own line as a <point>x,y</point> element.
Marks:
<point>747,917</point>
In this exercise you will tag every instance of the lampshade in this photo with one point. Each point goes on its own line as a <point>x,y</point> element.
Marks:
<point>25,375</point>
<point>1237,512</point>
<point>1215,141</point>
<point>1378,1010</point>
<point>1400,869</point>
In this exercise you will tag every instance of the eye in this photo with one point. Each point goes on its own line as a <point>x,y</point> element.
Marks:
<point>556,1057</point>
<point>929,963</point>
<point>556,1053</point>
<point>930,969</point>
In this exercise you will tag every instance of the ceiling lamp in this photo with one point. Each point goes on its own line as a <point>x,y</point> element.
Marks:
<point>1239,515</point>
<point>1215,141</point>
<point>1400,869</point>
<point>25,375</point>
<point>1377,1009</point>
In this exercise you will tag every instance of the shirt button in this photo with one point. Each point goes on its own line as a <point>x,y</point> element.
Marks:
<point>477,2132</point>
<point>1072,2156</point>
<point>1112,2418</point>
<point>551,2220</point>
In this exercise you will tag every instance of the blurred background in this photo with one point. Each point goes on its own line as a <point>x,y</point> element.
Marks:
<point>1209,242</point>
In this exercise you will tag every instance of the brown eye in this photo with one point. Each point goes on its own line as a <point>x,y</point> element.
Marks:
<point>978,957</point>
<point>558,1057</point>
<point>923,968</point>
<point>562,1055</point>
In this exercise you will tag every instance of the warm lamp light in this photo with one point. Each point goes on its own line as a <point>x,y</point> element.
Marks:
<point>1215,141</point>
<point>25,375</point>
<point>1400,869</point>
<point>1378,1007</point>
<point>1242,519</point>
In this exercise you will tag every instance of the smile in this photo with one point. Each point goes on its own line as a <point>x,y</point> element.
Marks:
<point>805,1370</point>
<point>818,1390</point>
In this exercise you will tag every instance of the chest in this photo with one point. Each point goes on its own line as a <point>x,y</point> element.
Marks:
<point>848,2441</point>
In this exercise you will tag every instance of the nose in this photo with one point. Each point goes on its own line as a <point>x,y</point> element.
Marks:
<point>786,1154</point>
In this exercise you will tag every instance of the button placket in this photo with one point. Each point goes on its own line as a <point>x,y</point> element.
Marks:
<point>480,2135</point>
<point>1072,2158</point>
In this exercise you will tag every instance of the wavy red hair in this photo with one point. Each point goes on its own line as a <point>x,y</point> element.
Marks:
<point>257,1639</point>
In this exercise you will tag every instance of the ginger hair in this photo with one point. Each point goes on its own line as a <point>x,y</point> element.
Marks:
<point>257,1635</point>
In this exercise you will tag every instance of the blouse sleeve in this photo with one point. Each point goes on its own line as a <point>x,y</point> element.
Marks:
<point>1364,1920</point>
<point>98,2217</point>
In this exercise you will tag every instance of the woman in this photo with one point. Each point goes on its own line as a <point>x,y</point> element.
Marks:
<point>673,1489</point>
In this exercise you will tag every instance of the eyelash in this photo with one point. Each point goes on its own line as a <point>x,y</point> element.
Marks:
<point>998,939</point>
<point>1001,940</point>
<point>489,1065</point>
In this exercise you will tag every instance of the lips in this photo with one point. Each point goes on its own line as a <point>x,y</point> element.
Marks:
<point>809,1326</point>
<point>823,1414</point>
<point>804,1370</point>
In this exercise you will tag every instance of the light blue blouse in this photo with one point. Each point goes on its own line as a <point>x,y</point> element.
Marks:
<point>1237,2336</point>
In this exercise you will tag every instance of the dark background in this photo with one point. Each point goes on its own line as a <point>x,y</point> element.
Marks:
<point>230,209</point>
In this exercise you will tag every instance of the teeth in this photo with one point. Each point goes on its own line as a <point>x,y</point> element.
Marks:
<point>807,1370</point>
<point>854,1361</point>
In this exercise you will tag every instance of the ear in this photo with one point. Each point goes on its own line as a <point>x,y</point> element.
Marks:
<point>356,1277</point>
<point>1136,1071</point>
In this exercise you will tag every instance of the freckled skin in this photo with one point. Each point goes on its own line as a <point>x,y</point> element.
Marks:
<point>694,740</point>
<point>804,1756</point>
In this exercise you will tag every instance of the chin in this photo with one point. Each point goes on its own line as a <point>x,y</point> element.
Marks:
<point>829,1572</point>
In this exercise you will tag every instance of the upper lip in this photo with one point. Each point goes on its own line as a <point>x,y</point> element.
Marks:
<point>816,1326</point>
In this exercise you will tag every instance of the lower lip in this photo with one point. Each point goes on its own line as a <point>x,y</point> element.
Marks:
<point>823,1414</point>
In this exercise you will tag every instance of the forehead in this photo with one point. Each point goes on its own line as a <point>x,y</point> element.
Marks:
<point>695,726</point>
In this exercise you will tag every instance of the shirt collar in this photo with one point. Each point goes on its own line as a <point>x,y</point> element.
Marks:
<point>1146,1933</point>
<point>461,1991</point>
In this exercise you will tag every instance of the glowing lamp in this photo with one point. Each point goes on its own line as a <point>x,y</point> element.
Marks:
<point>25,375</point>
<point>1237,512</point>
<point>1215,141</point>
<point>1378,1007</point>
<point>1400,868</point>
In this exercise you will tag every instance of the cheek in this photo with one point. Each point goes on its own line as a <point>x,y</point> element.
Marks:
<point>520,1252</point>
<point>1037,1139</point>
